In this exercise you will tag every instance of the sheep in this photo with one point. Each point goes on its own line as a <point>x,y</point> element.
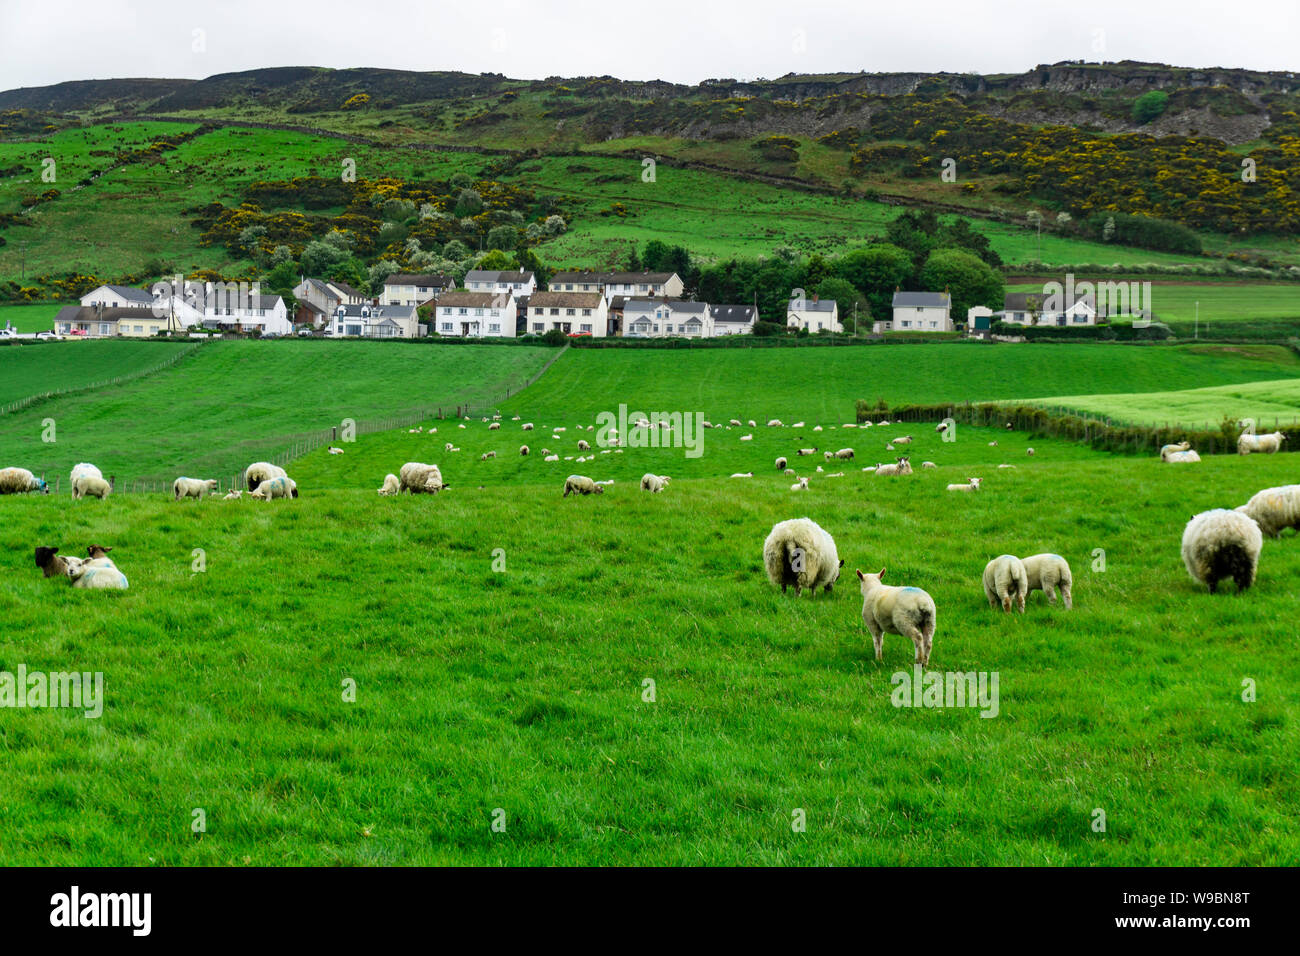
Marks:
<point>775,423</point>
<point>454,448</point>
<point>654,483</point>
<point>971,484</point>
<point>1222,544</point>
<point>836,474</point>
<point>1006,466</point>
<point>1008,426</point>
<point>883,424</point>
<point>260,471</point>
<point>800,552</point>
<point>523,451</point>
<point>845,454</point>
<point>94,487</point>
<point>546,453</point>
<point>192,488</point>
<point>800,485</point>
<point>448,446</point>
<point>807,451</point>
<point>889,447</point>
<point>234,494</point>
<point>941,427</point>
<point>581,485</point>
<point>56,565</point>
<point>276,488</point>
<point>1167,450</point>
<point>1029,452</point>
<point>905,440</point>
<point>788,471</point>
<point>902,467</point>
<point>1179,457</point>
<point>752,423</point>
<point>82,469</point>
<point>746,437</point>
<point>583,445</point>
<point>98,572</point>
<point>486,455</point>
<point>1046,573</point>
<point>1005,581</point>
<point>781,463</point>
<point>797,425</point>
<point>849,425</point>
<point>1274,509</point>
<point>527,426</point>
<point>416,477</point>
<point>928,464</point>
<point>993,444</point>
<point>907,611</point>
<point>391,486</point>
<point>19,481</point>
<point>551,458</point>
<point>335,451</point>
<point>743,474</point>
<point>1265,444</point>
<point>817,428</point>
<point>495,426</point>
<point>828,455</point>
<point>559,429</point>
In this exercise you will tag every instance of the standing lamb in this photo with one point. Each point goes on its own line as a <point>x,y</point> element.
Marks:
<point>94,487</point>
<point>1005,581</point>
<point>897,610</point>
<point>581,485</point>
<point>1221,544</point>
<point>19,481</point>
<point>260,471</point>
<point>391,486</point>
<point>800,552</point>
<point>193,488</point>
<point>782,464</point>
<point>1264,444</point>
<point>1047,573</point>
<point>417,478</point>
<point>1274,509</point>
<point>272,488</point>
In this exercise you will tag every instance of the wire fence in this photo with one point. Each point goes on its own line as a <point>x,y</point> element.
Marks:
<point>31,400</point>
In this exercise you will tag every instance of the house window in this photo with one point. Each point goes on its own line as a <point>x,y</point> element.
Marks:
<point>539,326</point>
<point>585,327</point>
<point>448,326</point>
<point>555,311</point>
<point>464,311</point>
<point>494,327</point>
<point>904,323</point>
<point>105,328</point>
<point>139,328</point>
<point>539,311</point>
<point>570,311</point>
<point>478,312</point>
<point>586,311</point>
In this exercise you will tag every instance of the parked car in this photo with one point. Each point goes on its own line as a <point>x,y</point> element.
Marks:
<point>49,335</point>
<point>77,332</point>
<point>8,334</point>
<point>304,333</point>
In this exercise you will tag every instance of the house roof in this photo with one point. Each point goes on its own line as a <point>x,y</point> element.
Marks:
<point>89,313</point>
<point>613,278</point>
<point>921,300</point>
<point>674,305</point>
<point>310,307</point>
<point>353,311</point>
<point>565,300</point>
<point>1020,301</point>
<point>131,294</point>
<point>508,276</point>
<point>348,290</point>
<point>320,286</point>
<point>475,300</point>
<point>820,305</point>
<point>733,313</point>
<point>435,280</point>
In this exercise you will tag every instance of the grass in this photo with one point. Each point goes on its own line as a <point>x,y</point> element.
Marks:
<point>29,318</point>
<point>27,370</point>
<point>1221,303</point>
<point>1270,404</point>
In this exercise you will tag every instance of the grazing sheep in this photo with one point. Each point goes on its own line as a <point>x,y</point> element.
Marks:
<point>234,494</point>
<point>1046,573</point>
<point>486,455</point>
<point>193,488</point>
<point>752,423</point>
<point>905,440</point>
<point>1274,509</point>
<point>448,446</point>
<point>523,451</point>
<point>56,565</point>
<point>1029,452</point>
<point>807,451</point>
<point>1167,450</point>
<point>781,463</point>
<point>583,445</point>
<point>335,451</point>
<point>828,455</point>
<point>527,426</point>
<point>551,458</point>
<point>655,483</point>
<point>1264,444</point>
<point>971,484</point>
<point>845,454</point>
<point>1005,581</point>
<point>260,471</point>
<point>993,444</point>
<point>581,485</point>
<point>272,488</point>
<point>800,485</point>
<point>941,427</point>
<point>1221,544</point>
<point>94,487</point>
<point>897,610</point>
<point>495,426</point>
<point>928,464</point>
<point>391,486</point>
<point>82,469</point>
<point>417,478</point>
<point>800,552</point>
<point>19,481</point>
<point>902,467</point>
<point>98,572</point>
<point>1180,457</point>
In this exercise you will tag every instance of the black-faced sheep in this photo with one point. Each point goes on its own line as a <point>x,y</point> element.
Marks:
<point>800,552</point>
<point>782,464</point>
<point>1221,544</point>
<point>55,564</point>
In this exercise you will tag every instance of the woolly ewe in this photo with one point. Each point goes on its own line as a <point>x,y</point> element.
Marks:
<point>897,610</point>
<point>800,552</point>
<point>581,485</point>
<point>1222,544</point>
<point>971,484</point>
<point>1274,509</point>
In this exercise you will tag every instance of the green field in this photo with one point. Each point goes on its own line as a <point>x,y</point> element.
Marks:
<point>33,369</point>
<point>29,318</point>
<point>1270,404</point>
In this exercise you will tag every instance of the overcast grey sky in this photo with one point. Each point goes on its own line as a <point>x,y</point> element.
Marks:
<point>49,41</point>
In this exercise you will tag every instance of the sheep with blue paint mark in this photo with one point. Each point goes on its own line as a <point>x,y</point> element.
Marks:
<point>908,611</point>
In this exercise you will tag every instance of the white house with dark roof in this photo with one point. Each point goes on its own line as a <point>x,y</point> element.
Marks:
<point>815,315</point>
<point>918,312</point>
<point>630,285</point>
<point>376,321</point>
<point>253,312</point>
<point>573,313</point>
<point>665,317</point>
<point>1031,308</point>
<point>118,297</point>
<point>515,282</point>
<point>409,288</point>
<point>733,319</point>
<point>464,314</point>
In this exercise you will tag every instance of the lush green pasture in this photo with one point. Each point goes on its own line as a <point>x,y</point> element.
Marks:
<point>1175,303</point>
<point>31,369</point>
<point>29,318</point>
<point>232,403</point>
<point>1270,403</point>
<point>524,690</point>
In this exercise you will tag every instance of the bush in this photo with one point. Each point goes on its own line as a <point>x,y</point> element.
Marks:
<point>1149,106</point>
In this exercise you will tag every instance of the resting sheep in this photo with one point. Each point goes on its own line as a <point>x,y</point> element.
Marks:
<point>1178,457</point>
<point>18,481</point>
<point>98,572</point>
<point>1221,544</point>
<point>335,451</point>
<point>581,485</point>
<point>234,494</point>
<point>1167,450</point>
<point>527,426</point>
<point>56,565</point>
<point>905,440</point>
<point>1005,582</point>
<point>971,484</point>
<point>807,451</point>
<point>260,471</point>
<point>928,464</point>
<point>486,455</point>
<point>800,485</point>
<point>1264,444</point>
<point>418,478</point>
<point>902,467</point>
<point>897,610</point>
<point>193,488</point>
<point>654,483</point>
<point>800,552</point>
<point>1046,573</point>
<point>391,486</point>
<point>1274,509</point>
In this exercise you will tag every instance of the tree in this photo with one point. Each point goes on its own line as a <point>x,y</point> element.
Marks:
<point>968,280</point>
<point>877,270</point>
<point>845,296</point>
<point>505,238</point>
<point>1149,106</point>
<point>468,203</point>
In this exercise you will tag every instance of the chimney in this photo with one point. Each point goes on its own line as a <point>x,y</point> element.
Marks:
<point>815,297</point>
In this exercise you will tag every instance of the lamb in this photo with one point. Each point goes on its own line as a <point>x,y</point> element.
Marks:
<point>1046,573</point>
<point>752,423</point>
<point>1005,581</point>
<point>449,446</point>
<point>902,467</point>
<point>941,427</point>
<point>1006,466</point>
<point>581,485</point>
<point>897,610</point>
<point>1179,457</point>
<point>495,426</point>
<point>82,469</point>
<point>486,455</point>
<point>19,481</point>
<point>284,487</point>
<point>546,453</point>
<point>94,487</point>
<point>781,463</point>
<point>971,484</point>
<point>1167,450</point>
<point>551,458</point>
<point>56,565</point>
<point>993,444</point>
<point>817,428</point>
<point>583,445</point>
<point>1222,544</point>
<point>828,455</point>
<point>335,451</point>
<point>417,477</point>
<point>1029,452</point>
<point>743,474</point>
<point>523,451</point>
<point>746,437</point>
<point>1265,444</point>
<point>391,486</point>
<point>800,485</point>
<point>260,471</point>
<point>905,440</point>
<point>98,572</point>
<point>775,423</point>
<point>234,494</point>
<point>192,488</point>
<point>807,451</point>
<point>654,483</point>
<point>1274,509</point>
<point>845,454</point>
<point>800,552</point>
<point>928,464</point>
<point>797,425</point>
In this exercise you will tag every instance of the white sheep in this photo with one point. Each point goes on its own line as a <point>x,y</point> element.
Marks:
<point>654,483</point>
<point>907,611</point>
<point>1274,509</point>
<point>486,455</point>
<point>993,444</point>
<point>1029,452</point>
<point>1221,544</point>
<point>797,425</point>
<point>928,464</point>
<point>1167,450</point>
<point>752,423</point>
<point>495,426</point>
<point>551,458</point>
<point>82,469</point>
<point>418,478</point>
<point>527,426</point>
<point>581,485</point>
<point>523,451</point>
<point>746,437</point>
<point>583,445</point>
<point>19,481</point>
<point>817,428</point>
<point>86,485</point>
<point>904,440</point>
<point>781,463</point>
<point>941,427</point>
<point>828,455</point>
<point>192,488</point>
<point>775,423</point>
<point>800,552</point>
<point>448,446</point>
<point>971,484</point>
<point>234,494</point>
<point>1006,466</point>
<point>98,572</point>
<point>1263,444</point>
<point>1179,457</point>
<point>1046,573</point>
<point>335,451</point>
<point>54,564</point>
<point>743,474</point>
<point>260,471</point>
<point>806,451</point>
<point>845,454</point>
<point>800,485</point>
<point>391,486</point>
<point>272,488</point>
<point>1006,582</point>
<point>902,467</point>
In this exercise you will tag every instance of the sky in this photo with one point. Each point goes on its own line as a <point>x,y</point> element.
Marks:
<point>683,41</point>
